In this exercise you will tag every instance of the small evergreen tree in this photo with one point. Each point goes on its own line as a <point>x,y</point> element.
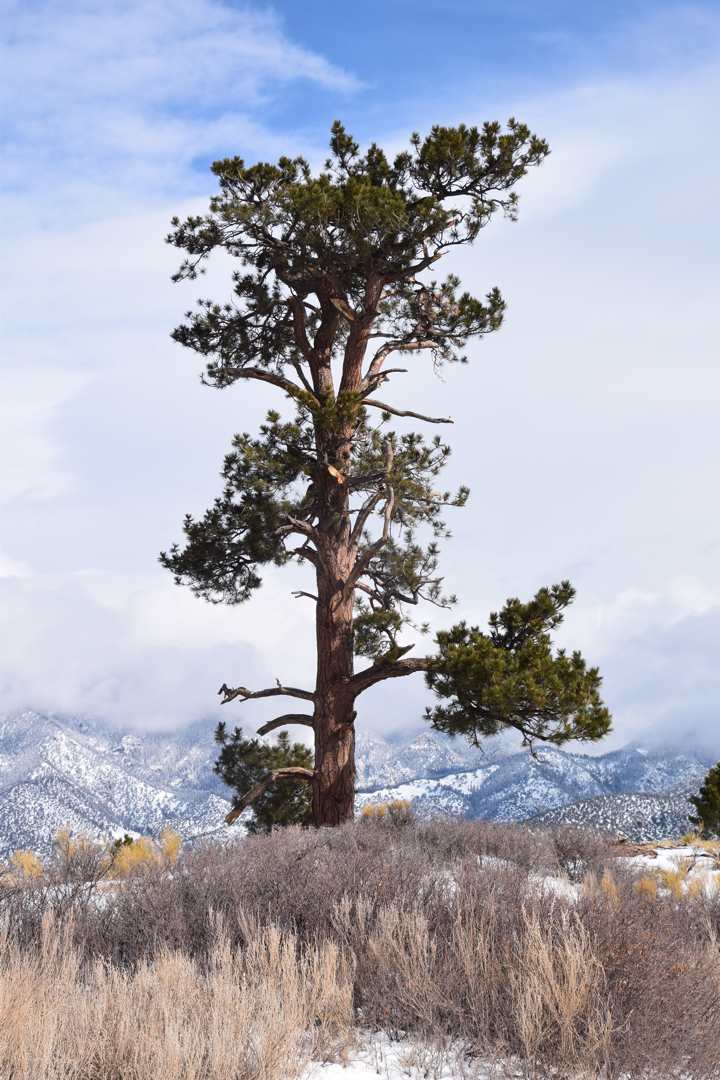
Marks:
<point>244,764</point>
<point>707,804</point>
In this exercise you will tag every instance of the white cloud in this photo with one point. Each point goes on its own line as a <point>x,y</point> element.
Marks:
<point>135,649</point>
<point>13,568</point>
<point>586,428</point>
<point>118,100</point>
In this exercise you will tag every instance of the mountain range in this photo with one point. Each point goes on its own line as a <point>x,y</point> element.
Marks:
<point>64,772</point>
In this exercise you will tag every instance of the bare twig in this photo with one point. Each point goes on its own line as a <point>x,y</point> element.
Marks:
<point>408,412</point>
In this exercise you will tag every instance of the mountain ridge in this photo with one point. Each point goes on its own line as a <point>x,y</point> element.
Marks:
<point>74,772</point>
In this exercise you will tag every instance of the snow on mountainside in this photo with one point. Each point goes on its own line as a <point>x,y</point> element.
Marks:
<point>514,786</point>
<point>637,816</point>
<point>76,773</point>
<point>80,775</point>
<point>380,765</point>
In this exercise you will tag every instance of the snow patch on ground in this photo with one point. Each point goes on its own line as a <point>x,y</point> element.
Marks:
<point>408,1059</point>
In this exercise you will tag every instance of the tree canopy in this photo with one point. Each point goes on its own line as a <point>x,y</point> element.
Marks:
<point>510,678</point>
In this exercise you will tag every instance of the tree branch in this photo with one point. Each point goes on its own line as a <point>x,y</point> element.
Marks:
<point>305,529</point>
<point>258,373</point>
<point>288,718</point>
<point>407,412</point>
<point>276,691</point>
<point>363,514</point>
<point>290,773</point>
<point>380,671</point>
<point>379,544</point>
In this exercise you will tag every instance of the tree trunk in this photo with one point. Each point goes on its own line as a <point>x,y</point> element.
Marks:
<point>334,782</point>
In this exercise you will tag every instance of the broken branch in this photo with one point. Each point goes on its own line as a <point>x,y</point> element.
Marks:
<point>276,691</point>
<point>289,773</point>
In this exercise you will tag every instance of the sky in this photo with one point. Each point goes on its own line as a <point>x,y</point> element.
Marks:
<point>586,428</point>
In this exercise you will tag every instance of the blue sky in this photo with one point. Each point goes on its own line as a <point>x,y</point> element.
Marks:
<point>587,429</point>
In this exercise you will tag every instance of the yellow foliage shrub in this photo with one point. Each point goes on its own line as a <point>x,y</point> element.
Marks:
<point>26,864</point>
<point>672,880</point>
<point>132,856</point>
<point>647,888</point>
<point>169,843</point>
<point>398,812</point>
<point>608,886</point>
<point>135,854</point>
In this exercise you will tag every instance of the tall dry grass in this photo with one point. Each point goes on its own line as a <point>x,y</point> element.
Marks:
<point>444,932</point>
<point>260,1012</point>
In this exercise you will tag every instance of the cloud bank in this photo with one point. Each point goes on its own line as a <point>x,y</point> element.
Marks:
<point>586,428</point>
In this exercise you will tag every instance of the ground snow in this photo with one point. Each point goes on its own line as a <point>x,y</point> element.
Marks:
<point>378,1056</point>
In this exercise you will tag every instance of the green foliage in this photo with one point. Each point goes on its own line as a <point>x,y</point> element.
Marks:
<point>243,762</point>
<point>123,841</point>
<point>707,804</point>
<point>322,256</point>
<point>510,678</point>
<point>270,480</point>
<point>360,214</point>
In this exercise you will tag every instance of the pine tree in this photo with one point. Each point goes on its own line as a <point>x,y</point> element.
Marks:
<point>244,763</point>
<point>333,282</point>
<point>707,804</point>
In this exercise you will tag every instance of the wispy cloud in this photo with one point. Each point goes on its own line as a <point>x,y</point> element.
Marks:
<point>125,96</point>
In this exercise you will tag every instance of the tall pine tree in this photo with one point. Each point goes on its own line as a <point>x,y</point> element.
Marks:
<point>334,281</point>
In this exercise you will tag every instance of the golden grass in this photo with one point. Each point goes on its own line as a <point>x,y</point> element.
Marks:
<point>257,1013</point>
<point>398,812</point>
<point>616,977</point>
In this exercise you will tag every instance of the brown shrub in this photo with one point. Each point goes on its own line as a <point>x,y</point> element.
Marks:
<point>258,1013</point>
<point>450,931</point>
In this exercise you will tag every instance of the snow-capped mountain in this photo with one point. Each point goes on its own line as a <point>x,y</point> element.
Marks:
<point>636,816</point>
<point>78,774</point>
<point>381,765</point>
<point>511,785</point>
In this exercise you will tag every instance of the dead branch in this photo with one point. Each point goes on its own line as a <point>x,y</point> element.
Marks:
<point>287,718</point>
<point>289,773</point>
<point>408,412</point>
<point>363,514</point>
<point>275,691</point>
<point>379,544</point>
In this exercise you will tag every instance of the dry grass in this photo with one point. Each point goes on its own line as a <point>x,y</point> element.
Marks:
<point>442,932</point>
<point>257,1013</point>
